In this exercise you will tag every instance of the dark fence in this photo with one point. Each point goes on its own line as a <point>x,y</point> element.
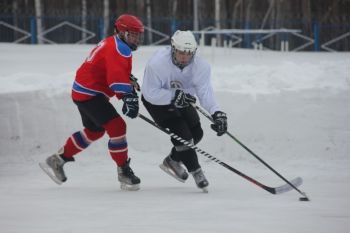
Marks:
<point>69,29</point>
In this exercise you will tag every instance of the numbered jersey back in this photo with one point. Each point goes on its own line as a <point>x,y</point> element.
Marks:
<point>107,66</point>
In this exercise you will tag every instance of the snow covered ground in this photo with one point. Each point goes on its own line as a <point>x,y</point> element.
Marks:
<point>292,109</point>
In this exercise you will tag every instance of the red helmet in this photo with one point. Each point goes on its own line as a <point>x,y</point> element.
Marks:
<point>128,23</point>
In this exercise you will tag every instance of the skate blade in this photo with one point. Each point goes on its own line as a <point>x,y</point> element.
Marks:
<point>129,187</point>
<point>205,190</point>
<point>171,173</point>
<point>48,171</point>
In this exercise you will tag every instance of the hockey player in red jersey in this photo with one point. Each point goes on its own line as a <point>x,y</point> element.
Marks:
<point>105,73</point>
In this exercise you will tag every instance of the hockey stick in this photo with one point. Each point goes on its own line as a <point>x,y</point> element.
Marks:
<point>305,198</point>
<point>273,190</point>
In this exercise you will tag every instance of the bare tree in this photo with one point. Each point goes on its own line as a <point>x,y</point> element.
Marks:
<point>306,10</point>
<point>217,21</point>
<point>15,18</point>
<point>149,21</point>
<point>237,13</point>
<point>268,13</point>
<point>83,18</point>
<point>105,17</point>
<point>195,15</point>
<point>38,15</point>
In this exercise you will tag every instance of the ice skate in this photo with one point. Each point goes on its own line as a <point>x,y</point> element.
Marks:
<point>200,179</point>
<point>53,167</point>
<point>174,169</point>
<point>127,178</point>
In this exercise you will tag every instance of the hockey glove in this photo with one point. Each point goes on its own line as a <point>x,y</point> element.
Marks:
<point>134,83</point>
<point>131,105</point>
<point>182,99</point>
<point>220,123</point>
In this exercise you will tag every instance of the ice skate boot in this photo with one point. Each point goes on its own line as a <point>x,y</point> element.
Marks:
<point>53,167</point>
<point>200,179</point>
<point>127,178</point>
<point>174,169</point>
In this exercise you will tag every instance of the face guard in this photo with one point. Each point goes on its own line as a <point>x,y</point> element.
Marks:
<point>182,58</point>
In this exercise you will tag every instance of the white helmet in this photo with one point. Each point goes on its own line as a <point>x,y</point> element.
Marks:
<point>184,41</point>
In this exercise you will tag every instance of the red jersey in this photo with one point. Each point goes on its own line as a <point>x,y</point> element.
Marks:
<point>105,71</point>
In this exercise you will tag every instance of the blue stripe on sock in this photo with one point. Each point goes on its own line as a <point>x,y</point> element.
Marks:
<point>80,140</point>
<point>119,145</point>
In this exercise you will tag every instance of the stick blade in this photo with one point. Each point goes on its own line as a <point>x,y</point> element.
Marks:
<point>286,187</point>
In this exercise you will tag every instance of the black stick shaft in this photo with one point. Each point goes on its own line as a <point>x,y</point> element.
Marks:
<point>250,151</point>
<point>202,152</point>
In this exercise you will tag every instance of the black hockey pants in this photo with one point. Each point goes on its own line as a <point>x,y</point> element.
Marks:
<point>183,122</point>
<point>96,112</point>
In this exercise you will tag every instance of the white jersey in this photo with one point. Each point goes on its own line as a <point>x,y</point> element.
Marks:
<point>162,78</point>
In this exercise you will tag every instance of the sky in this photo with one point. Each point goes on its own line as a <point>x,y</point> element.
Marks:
<point>291,109</point>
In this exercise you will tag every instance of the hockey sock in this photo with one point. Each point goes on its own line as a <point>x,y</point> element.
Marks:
<point>79,141</point>
<point>174,155</point>
<point>117,145</point>
<point>189,159</point>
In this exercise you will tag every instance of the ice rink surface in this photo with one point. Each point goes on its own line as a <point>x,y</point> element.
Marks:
<point>292,109</point>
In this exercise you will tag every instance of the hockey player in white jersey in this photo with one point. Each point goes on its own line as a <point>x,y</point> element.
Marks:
<point>173,78</point>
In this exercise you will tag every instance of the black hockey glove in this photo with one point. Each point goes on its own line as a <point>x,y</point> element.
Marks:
<point>134,83</point>
<point>182,99</point>
<point>131,105</point>
<point>220,123</point>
